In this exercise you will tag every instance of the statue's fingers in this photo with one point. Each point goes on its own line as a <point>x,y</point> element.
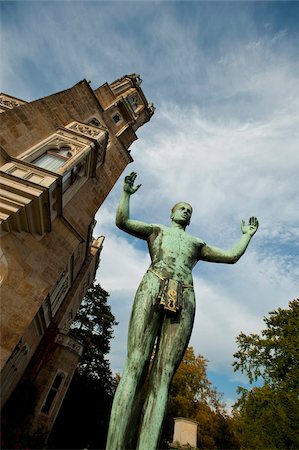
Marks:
<point>137,187</point>
<point>128,178</point>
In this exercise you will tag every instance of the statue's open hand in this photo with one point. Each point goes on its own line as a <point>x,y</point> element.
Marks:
<point>252,226</point>
<point>129,183</point>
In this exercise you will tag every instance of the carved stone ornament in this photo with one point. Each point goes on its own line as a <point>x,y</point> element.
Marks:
<point>68,341</point>
<point>64,141</point>
<point>87,130</point>
<point>9,102</point>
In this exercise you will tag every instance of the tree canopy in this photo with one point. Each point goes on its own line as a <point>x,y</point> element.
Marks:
<point>274,355</point>
<point>268,416</point>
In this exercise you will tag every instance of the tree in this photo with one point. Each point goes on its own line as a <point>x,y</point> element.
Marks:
<point>274,355</point>
<point>268,416</point>
<point>194,397</point>
<point>84,416</point>
<point>93,327</point>
<point>190,385</point>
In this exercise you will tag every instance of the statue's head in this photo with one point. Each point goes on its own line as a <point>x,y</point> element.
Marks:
<point>181,213</point>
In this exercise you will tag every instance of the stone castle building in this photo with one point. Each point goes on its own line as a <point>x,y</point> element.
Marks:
<point>60,157</point>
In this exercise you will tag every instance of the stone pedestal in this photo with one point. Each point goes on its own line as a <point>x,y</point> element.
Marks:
<point>185,431</point>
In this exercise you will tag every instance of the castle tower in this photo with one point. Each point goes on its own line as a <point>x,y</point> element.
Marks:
<point>60,156</point>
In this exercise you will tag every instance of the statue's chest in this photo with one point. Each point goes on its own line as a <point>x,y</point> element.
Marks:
<point>176,243</point>
<point>171,240</point>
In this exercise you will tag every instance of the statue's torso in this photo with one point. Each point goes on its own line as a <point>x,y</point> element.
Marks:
<point>174,252</point>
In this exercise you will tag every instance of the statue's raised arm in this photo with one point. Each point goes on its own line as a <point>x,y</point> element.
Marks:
<point>214,254</point>
<point>123,221</point>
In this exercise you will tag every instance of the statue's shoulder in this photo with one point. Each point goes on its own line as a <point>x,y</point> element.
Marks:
<point>199,241</point>
<point>159,230</point>
<point>158,227</point>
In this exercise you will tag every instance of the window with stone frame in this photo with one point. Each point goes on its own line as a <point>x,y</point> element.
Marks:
<point>54,158</point>
<point>52,393</point>
<point>133,100</point>
<point>43,317</point>
<point>61,288</point>
<point>14,365</point>
<point>116,117</point>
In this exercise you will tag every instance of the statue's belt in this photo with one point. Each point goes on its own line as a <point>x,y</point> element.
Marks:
<point>171,293</point>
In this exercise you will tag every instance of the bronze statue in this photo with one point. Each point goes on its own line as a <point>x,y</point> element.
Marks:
<point>163,314</point>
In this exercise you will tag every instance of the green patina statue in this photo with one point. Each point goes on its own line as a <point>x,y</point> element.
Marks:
<point>163,314</point>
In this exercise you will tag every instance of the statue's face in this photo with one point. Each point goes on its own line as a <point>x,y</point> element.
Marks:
<point>181,213</point>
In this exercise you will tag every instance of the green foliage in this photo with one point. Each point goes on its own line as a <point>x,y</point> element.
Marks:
<point>178,446</point>
<point>193,396</point>
<point>274,355</point>
<point>267,417</point>
<point>93,327</point>
<point>84,416</point>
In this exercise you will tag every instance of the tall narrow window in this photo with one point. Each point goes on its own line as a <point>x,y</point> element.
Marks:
<point>53,392</point>
<point>133,100</point>
<point>59,292</point>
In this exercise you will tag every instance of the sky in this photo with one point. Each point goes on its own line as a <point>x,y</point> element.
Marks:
<point>224,80</point>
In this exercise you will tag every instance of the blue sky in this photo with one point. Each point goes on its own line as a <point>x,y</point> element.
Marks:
<point>224,79</point>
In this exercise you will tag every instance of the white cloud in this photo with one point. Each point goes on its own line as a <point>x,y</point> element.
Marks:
<point>124,265</point>
<point>227,169</point>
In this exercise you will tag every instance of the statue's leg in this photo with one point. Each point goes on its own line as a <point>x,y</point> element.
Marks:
<point>175,335</point>
<point>143,328</point>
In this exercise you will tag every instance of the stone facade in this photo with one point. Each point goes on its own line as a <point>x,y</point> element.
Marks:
<point>60,157</point>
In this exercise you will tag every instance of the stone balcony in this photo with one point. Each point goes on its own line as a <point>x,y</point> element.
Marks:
<point>69,342</point>
<point>29,198</point>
